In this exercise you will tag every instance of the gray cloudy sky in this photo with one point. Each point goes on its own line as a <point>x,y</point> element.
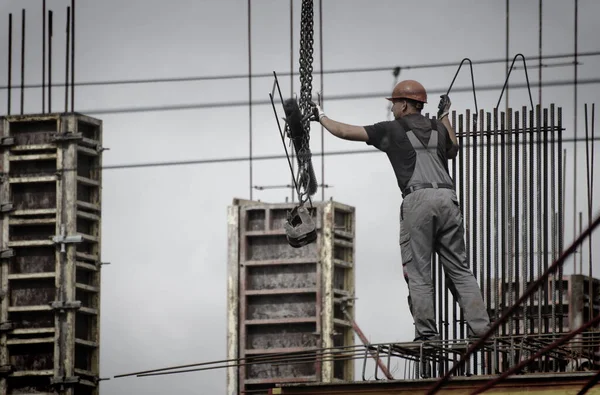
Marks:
<point>164,228</point>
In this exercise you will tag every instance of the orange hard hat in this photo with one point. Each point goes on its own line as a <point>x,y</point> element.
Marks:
<point>409,89</point>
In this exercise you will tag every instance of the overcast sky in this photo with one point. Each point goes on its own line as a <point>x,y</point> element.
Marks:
<point>164,228</point>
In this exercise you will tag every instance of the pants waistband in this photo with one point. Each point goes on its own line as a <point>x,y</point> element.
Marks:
<point>408,190</point>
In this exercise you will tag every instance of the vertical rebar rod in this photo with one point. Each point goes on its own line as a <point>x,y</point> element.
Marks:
<point>461,173</point>
<point>250,92</point>
<point>292,89</point>
<point>507,67</point>
<point>464,193</point>
<point>575,105</point>
<point>23,61</point>
<point>552,186</point>
<point>480,205</point>
<point>73,56</point>
<point>540,54</point>
<point>322,128</point>
<point>503,215</point>
<point>581,249</point>
<point>497,278</point>
<point>9,83</point>
<point>475,206</point>
<point>593,136</point>
<point>67,51</point>
<point>539,212</point>
<point>446,295</point>
<point>43,56</point>
<point>561,207</point>
<point>508,185</point>
<point>517,223</point>
<point>488,257</point>
<point>532,227</point>
<point>50,32</point>
<point>525,188</point>
<point>488,252</point>
<point>589,196</point>
<point>545,220</point>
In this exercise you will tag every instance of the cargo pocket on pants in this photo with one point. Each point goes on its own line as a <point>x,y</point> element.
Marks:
<point>405,251</point>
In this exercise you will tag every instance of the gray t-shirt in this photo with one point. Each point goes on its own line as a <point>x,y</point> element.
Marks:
<point>390,137</point>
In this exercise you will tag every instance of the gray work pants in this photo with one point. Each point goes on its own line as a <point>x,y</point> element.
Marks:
<point>431,221</point>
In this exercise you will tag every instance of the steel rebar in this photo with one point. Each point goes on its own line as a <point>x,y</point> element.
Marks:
<point>23,30</point>
<point>545,218</point>
<point>67,52</point>
<point>503,214</point>
<point>476,213</point>
<point>73,56</point>
<point>509,212</point>
<point>249,27</point>
<point>467,192</point>
<point>43,56</point>
<point>553,185</point>
<point>539,228</point>
<point>525,187</point>
<point>575,107</point>
<point>9,82</point>
<point>497,280</point>
<point>541,279</point>
<point>517,223</point>
<point>50,33</point>
<point>488,257</point>
<point>461,176</point>
<point>532,178</point>
<point>561,207</point>
<point>589,199</point>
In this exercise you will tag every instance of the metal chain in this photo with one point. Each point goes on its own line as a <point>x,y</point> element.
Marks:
<point>306,69</point>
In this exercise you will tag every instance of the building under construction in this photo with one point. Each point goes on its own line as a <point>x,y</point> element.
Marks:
<point>292,326</point>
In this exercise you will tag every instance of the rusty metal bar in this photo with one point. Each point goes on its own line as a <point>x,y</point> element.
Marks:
<point>511,310</point>
<point>490,384</point>
<point>488,257</point>
<point>367,345</point>
<point>593,381</point>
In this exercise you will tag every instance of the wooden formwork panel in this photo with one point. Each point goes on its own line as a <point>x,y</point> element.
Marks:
<point>281,299</point>
<point>49,315</point>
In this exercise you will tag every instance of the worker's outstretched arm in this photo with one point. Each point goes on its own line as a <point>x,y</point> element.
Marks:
<point>339,129</point>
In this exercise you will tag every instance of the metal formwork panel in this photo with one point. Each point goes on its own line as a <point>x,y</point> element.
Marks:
<point>50,241</point>
<point>285,318</point>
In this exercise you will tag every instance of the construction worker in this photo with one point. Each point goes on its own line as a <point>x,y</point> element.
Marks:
<point>418,149</point>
